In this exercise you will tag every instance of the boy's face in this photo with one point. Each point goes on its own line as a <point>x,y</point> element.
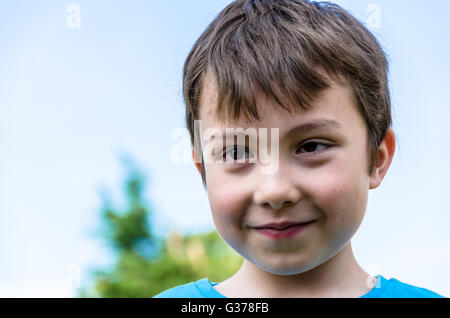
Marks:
<point>321,177</point>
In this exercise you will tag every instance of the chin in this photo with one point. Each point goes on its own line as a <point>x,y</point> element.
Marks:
<point>285,268</point>
<point>285,271</point>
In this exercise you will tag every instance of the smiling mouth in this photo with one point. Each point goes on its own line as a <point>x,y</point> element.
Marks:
<point>283,230</point>
<point>281,226</point>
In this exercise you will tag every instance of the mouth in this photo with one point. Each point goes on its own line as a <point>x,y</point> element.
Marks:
<point>281,226</point>
<point>282,230</point>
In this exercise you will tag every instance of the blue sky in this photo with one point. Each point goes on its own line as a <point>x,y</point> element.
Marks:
<point>73,99</point>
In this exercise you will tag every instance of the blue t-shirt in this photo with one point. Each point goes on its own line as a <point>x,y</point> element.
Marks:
<point>384,288</point>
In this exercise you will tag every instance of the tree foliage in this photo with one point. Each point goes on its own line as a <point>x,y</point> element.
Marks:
<point>146,264</point>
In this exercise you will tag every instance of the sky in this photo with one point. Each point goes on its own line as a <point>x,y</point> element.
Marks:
<point>83,82</point>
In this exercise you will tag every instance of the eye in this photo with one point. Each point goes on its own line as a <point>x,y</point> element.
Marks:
<point>310,147</point>
<point>236,153</point>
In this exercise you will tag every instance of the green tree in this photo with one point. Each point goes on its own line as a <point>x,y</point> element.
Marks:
<point>146,264</point>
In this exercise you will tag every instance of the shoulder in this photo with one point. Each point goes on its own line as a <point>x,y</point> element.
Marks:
<point>402,289</point>
<point>393,288</point>
<point>188,290</point>
<point>202,288</point>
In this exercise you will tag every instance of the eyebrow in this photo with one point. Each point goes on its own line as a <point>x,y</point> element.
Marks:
<point>314,125</point>
<point>302,128</point>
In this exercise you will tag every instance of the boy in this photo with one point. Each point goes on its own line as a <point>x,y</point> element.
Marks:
<point>312,75</point>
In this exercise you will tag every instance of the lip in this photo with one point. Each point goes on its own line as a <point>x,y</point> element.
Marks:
<point>282,230</point>
<point>281,225</point>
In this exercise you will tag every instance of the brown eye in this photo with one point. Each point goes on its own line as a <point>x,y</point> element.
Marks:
<point>235,153</point>
<point>311,147</point>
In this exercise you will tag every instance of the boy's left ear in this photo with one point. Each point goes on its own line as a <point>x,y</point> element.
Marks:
<point>386,152</point>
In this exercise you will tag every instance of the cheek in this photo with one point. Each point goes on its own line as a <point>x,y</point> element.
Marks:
<point>342,197</point>
<point>228,202</point>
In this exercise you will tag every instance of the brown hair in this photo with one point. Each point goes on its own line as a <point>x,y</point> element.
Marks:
<point>276,47</point>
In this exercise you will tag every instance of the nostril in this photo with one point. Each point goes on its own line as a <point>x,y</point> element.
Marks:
<point>276,205</point>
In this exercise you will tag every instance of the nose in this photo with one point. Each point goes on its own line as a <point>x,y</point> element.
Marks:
<point>276,190</point>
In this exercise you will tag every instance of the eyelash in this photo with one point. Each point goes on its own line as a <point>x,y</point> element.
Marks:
<point>226,150</point>
<point>316,143</point>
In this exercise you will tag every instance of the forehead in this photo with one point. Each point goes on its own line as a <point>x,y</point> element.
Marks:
<point>335,103</point>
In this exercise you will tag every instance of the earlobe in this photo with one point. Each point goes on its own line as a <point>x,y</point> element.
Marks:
<point>199,167</point>
<point>386,152</point>
<point>196,162</point>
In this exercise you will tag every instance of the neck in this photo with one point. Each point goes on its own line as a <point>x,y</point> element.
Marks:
<point>340,276</point>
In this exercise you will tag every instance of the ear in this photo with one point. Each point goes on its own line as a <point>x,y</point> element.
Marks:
<point>386,152</point>
<point>196,162</point>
